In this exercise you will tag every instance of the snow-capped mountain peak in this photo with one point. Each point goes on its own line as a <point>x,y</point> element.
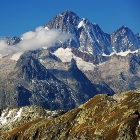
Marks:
<point>123,40</point>
<point>89,38</point>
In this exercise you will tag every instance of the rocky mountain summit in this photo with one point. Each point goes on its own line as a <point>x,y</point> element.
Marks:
<point>88,37</point>
<point>85,34</point>
<point>124,39</point>
<point>103,117</point>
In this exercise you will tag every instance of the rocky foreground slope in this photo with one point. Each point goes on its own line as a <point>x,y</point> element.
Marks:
<point>103,117</point>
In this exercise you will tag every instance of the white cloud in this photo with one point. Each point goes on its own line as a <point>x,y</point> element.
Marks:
<point>35,39</point>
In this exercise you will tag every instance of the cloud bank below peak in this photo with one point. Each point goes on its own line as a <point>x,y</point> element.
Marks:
<point>35,39</point>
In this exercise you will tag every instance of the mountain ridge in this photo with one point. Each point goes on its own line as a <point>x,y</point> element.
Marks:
<point>97,42</point>
<point>102,117</point>
<point>34,84</point>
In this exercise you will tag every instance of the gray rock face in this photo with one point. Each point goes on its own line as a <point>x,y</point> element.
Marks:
<point>123,40</point>
<point>89,38</point>
<point>119,73</point>
<point>103,39</point>
<point>66,22</point>
<point>32,84</point>
<point>69,74</point>
<point>16,116</point>
<point>12,41</point>
<point>95,59</point>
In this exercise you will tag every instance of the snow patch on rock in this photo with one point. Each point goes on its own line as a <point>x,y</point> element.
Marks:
<point>66,55</point>
<point>8,116</point>
<point>81,23</point>
<point>126,52</point>
<point>121,53</point>
<point>16,56</point>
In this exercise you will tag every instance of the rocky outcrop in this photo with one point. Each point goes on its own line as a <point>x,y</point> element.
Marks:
<point>95,59</point>
<point>102,117</point>
<point>15,116</point>
<point>12,41</point>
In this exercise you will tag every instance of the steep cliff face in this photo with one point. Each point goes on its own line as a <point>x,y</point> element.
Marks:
<point>103,117</point>
<point>119,73</point>
<point>124,39</point>
<point>30,83</point>
<point>87,37</point>
<point>90,38</point>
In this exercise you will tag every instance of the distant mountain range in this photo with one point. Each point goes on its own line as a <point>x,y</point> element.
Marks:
<point>70,73</point>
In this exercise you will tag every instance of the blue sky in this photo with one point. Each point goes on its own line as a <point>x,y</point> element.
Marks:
<point>20,16</point>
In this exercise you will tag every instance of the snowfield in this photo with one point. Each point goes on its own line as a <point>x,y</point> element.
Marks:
<point>16,56</point>
<point>66,55</point>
